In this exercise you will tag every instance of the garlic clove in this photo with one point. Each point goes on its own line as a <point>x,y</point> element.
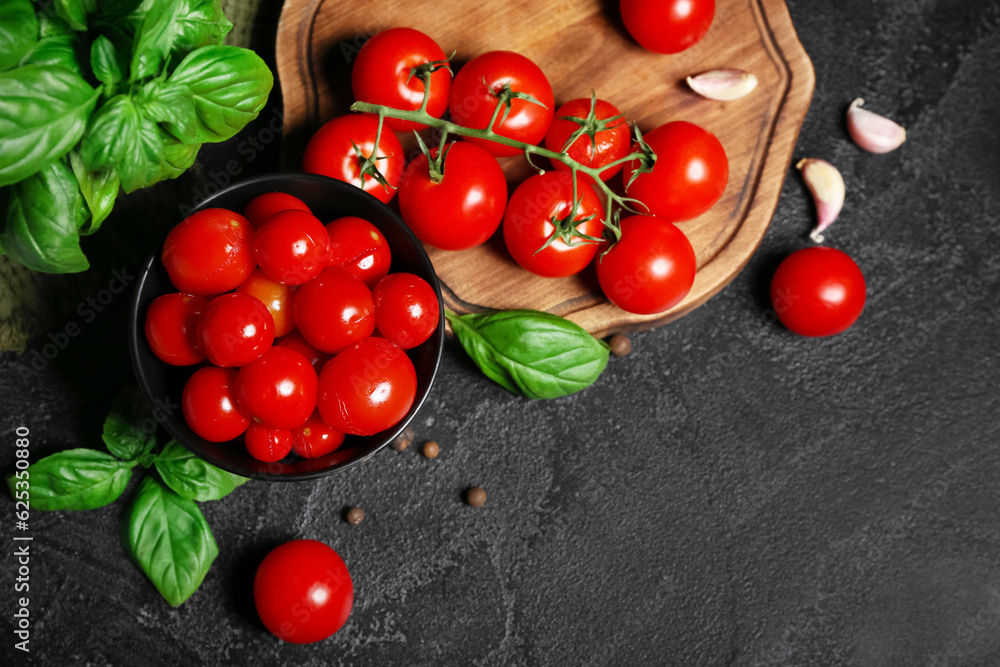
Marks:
<point>723,84</point>
<point>872,132</point>
<point>828,190</point>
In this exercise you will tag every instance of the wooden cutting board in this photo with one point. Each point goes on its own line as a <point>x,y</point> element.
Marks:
<point>580,45</point>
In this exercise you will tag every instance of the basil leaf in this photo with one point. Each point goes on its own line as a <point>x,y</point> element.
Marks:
<point>230,86</point>
<point>74,12</point>
<point>107,63</point>
<point>18,31</point>
<point>173,105</point>
<point>99,189</point>
<point>168,538</point>
<point>77,479</point>
<point>144,156</point>
<point>192,477</point>
<point>51,26</point>
<point>43,113</point>
<point>43,216</point>
<point>109,134</point>
<point>173,28</point>
<point>532,353</point>
<point>129,430</point>
<point>178,157</point>
<point>55,51</point>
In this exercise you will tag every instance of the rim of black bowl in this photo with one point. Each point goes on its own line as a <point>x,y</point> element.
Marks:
<point>172,418</point>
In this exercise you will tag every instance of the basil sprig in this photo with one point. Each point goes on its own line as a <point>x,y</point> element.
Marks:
<point>163,530</point>
<point>168,538</point>
<point>165,85</point>
<point>531,353</point>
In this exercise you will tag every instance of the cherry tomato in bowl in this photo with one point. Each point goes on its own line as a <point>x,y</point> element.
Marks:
<point>162,384</point>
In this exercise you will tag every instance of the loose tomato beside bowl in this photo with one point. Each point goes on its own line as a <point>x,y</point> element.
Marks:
<point>163,384</point>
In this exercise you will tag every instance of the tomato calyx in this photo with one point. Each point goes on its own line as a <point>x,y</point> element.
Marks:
<point>424,71</point>
<point>566,227</point>
<point>367,164</point>
<point>645,156</point>
<point>505,97</point>
<point>435,161</point>
<point>590,126</point>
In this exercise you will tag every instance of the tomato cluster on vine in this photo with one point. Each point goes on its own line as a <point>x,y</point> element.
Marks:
<point>299,327</point>
<point>454,195</point>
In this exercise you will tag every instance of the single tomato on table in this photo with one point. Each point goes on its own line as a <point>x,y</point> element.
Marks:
<point>455,203</point>
<point>303,591</point>
<point>667,26</point>
<point>478,87</point>
<point>342,147</point>
<point>384,73</point>
<point>592,132</point>
<point>542,206</point>
<point>818,291</point>
<point>650,269</point>
<point>688,177</point>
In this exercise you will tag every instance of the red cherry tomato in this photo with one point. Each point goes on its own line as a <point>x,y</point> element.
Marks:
<point>262,207</point>
<point>278,388</point>
<point>303,591</point>
<point>171,328</point>
<point>279,300</point>
<point>667,26</point>
<point>334,310</point>
<point>463,207</point>
<point>527,225</point>
<point>689,176</point>
<point>267,444</point>
<point>208,403</point>
<point>314,438</point>
<point>603,141</point>
<point>383,74</point>
<point>474,92</point>
<point>234,329</point>
<point>331,152</point>
<point>651,269</point>
<point>407,310</point>
<point>291,247</point>
<point>818,291</point>
<point>367,388</point>
<point>296,342</point>
<point>358,247</point>
<point>209,252</point>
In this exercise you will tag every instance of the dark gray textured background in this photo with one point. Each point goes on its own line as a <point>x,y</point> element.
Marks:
<point>728,494</point>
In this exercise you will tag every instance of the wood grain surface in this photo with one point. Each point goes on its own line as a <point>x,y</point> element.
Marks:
<point>581,45</point>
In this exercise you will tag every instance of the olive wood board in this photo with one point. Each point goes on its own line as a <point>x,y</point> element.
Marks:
<point>582,46</point>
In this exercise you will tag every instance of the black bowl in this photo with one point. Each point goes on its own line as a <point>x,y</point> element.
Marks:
<point>162,384</point>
